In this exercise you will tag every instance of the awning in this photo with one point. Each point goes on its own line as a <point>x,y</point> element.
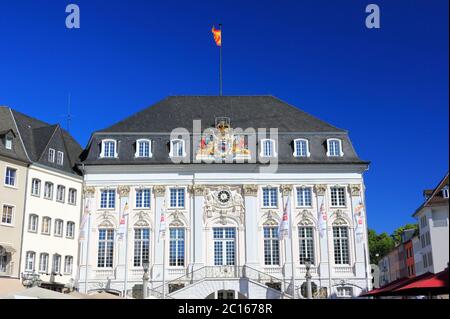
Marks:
<point>9,248</point>
<point>389,289</point>
<point>436,285</point>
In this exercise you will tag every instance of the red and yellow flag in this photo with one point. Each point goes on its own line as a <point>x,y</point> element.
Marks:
<point>217,33</point>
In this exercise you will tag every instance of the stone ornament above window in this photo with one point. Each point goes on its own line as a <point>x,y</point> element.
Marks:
<point>320,189</point>
<point>159,190</point>
<point>123,191</point>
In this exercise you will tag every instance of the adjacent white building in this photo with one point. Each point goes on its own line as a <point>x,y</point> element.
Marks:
<point>222,194</point>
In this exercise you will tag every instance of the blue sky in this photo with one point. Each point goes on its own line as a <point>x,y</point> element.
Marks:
<point>388,86</point>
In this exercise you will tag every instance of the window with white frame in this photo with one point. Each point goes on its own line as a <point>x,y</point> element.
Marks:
<point>29,260</point>
<point>270,197</point>
<point>7,215</point>
<point>271,246</point>
<point>341,249</point>
<point>268,148</point>
<point>59,225</point>
<point>68,265</point>
<point>51,155</point>
<point>304,196</point>
<point>143,148</point>
<point>48,190</point>
<point>430,259</point>
<point>177,148</point>
<point>46,225</point>
<point>306,244</point>
<point>425,260</point>
<point>338,196</point>
<point>43,262</point>
<point>109,149</point>
<point>224,246</point>
<point>176,246</point>
<point>105,248</point>
<point>108,198</point>
<point>10,176</point>
<point>344,292</point>
<point>56,264</point>
<point>59,158</point>
<point>70,230</point>
<point>33,221</point>
<point>35,187</point>
<point>334,146</point>
<point>141,246</point>
<point>301,148</point>
<point>143,198</point>
<point>60,193</point>
<point>445,192</point>
<point>177,197</point>
<point>8,143</point>
<point>72,196</point>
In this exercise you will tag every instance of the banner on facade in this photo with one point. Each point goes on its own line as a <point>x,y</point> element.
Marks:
<point>322,218</point>
<point>162,225</point>
<point>122,221</point>
<point>283,230</point>
<point>84,220</point>
<point>358,220</point>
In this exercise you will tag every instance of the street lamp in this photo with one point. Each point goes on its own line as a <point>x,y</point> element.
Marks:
<point>145,279</point>
<point>308,279</point>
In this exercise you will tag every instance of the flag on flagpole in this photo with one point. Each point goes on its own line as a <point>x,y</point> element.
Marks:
<point>217,33</point>
<point>122,221</point>
<point>162,225</point>
<point>283,230</point>
<point>322,220</point>
<point>358,220</point>
<point>84,219</point>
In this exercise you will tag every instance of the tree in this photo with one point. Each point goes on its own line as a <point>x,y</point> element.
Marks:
<point>379,245</point>
<point>397,234</point>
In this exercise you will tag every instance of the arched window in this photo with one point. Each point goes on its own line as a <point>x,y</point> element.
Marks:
<point>68,265</point>
<point>33,223</point>
<point>143,148</point>
<point>268,148</point>
<point>301,148</point>
<point>109,149</point>
<point>43,262</point>
<point>46,225</point>
<point>341,244</point>
<point>105,248</point>
<point>29,260</point>
<point>56,264</point>
<point>59,225</point>
<point>36,187</point>
<point>141,246</point>
<point>177,148</point>
<point>176,246</point>
<point>334,147</point>
<point>70,230</point>
<point>306,244</point>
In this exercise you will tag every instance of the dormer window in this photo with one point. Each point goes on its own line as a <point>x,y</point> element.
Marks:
<point>109,149</point>
<point>334,147</point>
<point>301,148</point>
<point>177,148</point>
<point>51,155</point>
<point>445,192</point>
<point>143,148</point>
<point>268,148</point>
<point>8,142</point>
<point>60,158</point>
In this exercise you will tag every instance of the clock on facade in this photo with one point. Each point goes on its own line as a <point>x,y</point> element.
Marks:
<point>224,196</point>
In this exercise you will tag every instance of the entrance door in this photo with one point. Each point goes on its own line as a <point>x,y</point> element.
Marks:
<point>225,294</point>
<point>224,246</point>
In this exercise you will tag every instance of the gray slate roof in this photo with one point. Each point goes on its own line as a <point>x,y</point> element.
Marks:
<point>157,121</point>
<point>34,138</point>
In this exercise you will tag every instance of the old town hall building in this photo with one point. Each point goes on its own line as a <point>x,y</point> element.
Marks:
<point>195,188</point>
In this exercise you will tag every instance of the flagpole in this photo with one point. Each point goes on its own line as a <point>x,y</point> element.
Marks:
<point>220,61</point>
<point>87,252</point>
<point>126,255</point>
<point>164,267</point>
<point>292,249</point>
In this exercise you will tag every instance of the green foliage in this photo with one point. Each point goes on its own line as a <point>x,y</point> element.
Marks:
<point>397,234</point>
<point>379,245</point>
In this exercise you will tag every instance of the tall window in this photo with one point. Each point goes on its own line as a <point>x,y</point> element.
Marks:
<point>8,215</point>
<point>141,246</point>
<point>304,196</point>
<point>29,260</point>
<point>70,230</point>
<point>56,265</point>
<point>143,198</point>
<point>177,148</point>
<point>105,248</point>
<point>8,143</point>
<point>271,246</point>
<point>10,177</point>
<point>270,197</point>
<point>72,196</point>
<point>224,246</point>
<point>59,158</point>
<point>60,193</point>
<point>59,224</point>
<point>334,148</point>
<point>301,148</point>
<point>48,190</point>
<point>108,148</point>
<point>338,196</point>
<point>33,223</point>
<point>35,187</point>
<point>176,247</point>
<point>306,244</point>
<point>68,264</point>
<point>143,148</point>
<point>268,148</point>
<point>51,155</point>
<point>445,192</point>
<point>43,262</point>
<point>341,249</point>
<point>46,225</point>
<point>177,197</point>
<point>108,198</point>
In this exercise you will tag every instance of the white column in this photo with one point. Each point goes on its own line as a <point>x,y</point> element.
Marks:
<point>251,226</point>
<point>123,192</point>
<point>198,229</point>
<point>159,193</point>
<point>359,258</point>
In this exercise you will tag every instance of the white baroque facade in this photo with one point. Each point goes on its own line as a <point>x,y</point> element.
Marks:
<point>222,220</point>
